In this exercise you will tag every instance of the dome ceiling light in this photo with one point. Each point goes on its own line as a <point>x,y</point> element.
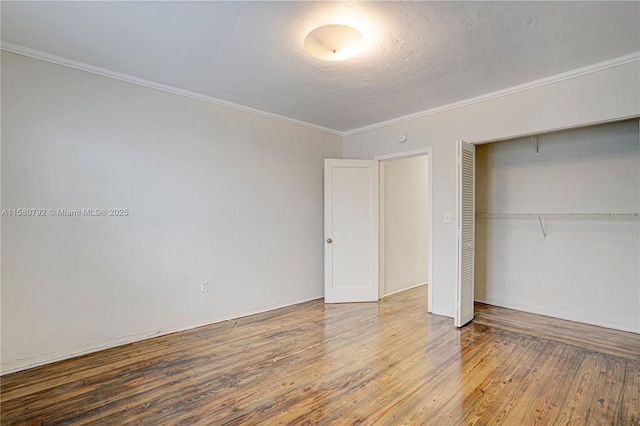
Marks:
<point>334,42</point>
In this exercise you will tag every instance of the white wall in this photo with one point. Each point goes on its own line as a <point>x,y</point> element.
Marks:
<point>213,194</point>
<point>405,223</point>
<point>597,96</point>
<point>586,270</point>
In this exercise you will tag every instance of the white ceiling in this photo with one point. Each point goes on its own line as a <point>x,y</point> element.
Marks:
<point>419,55</point>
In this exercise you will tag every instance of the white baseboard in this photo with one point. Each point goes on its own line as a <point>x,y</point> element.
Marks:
<point>552,314</point>
<point>406,288</point>
<point>13,366</point>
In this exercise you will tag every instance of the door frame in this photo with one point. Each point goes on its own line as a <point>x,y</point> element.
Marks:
<point>396,156</point>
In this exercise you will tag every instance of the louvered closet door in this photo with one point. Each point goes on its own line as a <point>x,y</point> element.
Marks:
<point>466,232</point>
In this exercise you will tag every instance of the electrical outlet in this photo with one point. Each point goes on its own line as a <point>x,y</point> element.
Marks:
<point>204,286</point>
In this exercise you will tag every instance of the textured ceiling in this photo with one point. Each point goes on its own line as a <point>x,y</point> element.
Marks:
<point>419,55</point>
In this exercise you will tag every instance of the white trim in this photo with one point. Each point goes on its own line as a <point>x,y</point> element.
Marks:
<point>381,213</point>
<point>553,314</point>
<point>556,129</point>
<point>404,154</point>
<point>590,69</point>
<point>25,51</point>
<point>38,360</point>
<point>414,153</point>
<point>409,288</point>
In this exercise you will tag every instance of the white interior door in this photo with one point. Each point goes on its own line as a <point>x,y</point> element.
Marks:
<point>466,232</point>
<point>351,230</point>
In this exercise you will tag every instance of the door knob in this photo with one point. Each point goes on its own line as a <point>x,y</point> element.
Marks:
<point>329,240</point>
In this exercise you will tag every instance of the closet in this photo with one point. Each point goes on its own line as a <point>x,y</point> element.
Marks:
<point>558,224</point>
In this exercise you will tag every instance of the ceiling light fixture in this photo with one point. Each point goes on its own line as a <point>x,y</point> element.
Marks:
<point>334,42</point>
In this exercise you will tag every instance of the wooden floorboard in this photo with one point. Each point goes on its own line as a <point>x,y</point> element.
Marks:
<point>387,363</point>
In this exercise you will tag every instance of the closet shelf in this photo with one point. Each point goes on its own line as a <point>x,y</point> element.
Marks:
<point>635,215</point>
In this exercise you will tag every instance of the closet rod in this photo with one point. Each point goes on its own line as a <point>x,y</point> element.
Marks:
<point>634,215</point>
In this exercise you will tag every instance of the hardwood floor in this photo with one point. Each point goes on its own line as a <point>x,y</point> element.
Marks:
<point>386,363</point>
<point>585,336</point>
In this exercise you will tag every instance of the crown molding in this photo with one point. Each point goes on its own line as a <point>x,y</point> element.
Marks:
<point>590,69</point>
<point>36,54</point>
<point>25,51</point>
